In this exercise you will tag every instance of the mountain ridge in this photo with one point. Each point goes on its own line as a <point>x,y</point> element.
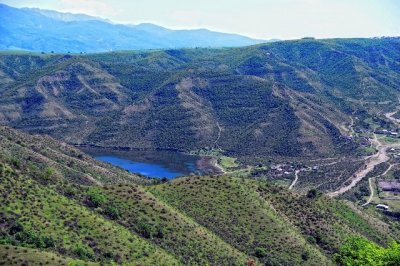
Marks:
<point>290,99</point>
<point>46,31</point>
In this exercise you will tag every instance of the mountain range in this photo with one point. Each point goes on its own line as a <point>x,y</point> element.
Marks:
<point>34,29</point>
<point>288,99</point>
<point>302,135</point>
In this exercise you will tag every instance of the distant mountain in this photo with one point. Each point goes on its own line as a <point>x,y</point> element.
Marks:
<point>65,16</point>
<point>45,30</point>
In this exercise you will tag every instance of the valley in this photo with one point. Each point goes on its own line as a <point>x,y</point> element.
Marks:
<point>228,156</point>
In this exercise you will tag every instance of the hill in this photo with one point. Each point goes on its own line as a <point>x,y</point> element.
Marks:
<point>283,99</point>
<point>49,215</point>
<point>47,30</point>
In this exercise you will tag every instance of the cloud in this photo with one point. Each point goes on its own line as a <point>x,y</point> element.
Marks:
<point>89,7</point>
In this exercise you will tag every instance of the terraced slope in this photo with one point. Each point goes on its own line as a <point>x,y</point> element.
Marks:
<point>37,216</point>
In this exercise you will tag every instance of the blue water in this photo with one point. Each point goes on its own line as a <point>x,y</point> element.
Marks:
<point>146,169</point>
<point>156,164</point>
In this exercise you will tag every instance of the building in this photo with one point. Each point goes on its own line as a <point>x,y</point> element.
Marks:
<point>390,186</point>
<point>382,207</point>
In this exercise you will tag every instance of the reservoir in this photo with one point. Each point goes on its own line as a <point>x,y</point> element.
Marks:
<point>158,164</point>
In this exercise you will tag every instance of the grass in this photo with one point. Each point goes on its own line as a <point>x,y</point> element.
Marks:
<point>370,150</point>
<point>227,162</point>
<point>387,139</point>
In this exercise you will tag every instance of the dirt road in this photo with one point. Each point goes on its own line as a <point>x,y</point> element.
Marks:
<point>371,189</point>
<point>296,177</point>
<point>371,161</point>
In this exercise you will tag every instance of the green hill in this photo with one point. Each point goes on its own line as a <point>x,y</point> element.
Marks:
<point>54,213</point>
<point>267,221</point>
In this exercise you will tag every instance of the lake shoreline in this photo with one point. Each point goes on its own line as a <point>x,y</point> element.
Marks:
<point>155,163</point>
<point>209,165</point>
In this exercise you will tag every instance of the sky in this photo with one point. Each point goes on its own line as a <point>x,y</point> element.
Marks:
<point>262,19</point>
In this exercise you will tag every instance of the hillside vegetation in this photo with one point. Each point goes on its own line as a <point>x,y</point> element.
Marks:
<point>289,99</point>
<point>54,213</point>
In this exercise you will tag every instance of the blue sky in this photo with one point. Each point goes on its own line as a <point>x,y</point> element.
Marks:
<point>284,19</point>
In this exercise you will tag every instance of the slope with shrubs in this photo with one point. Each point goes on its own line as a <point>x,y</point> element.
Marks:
<point>41,154</point>
<point>14,255</point>
<point>36,216</point>
<point>235,211</point>
<point>48,207</point>
<point>266,221</point>
<point>52,211</point>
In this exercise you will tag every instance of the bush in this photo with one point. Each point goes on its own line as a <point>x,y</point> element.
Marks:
<point>47,174</point>
<point>358,251</point>
<point>112,212</point>
<point>312,193</point>
<point>260,252</point>
<point>96,196</point>
<point>83,252</point>
<point>34,239</point>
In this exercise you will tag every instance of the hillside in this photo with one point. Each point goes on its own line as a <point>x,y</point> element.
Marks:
<point>52,212</point>
<point>283,99</point>
<point>267,221</point>
<point>45,208</point>
<point>46,30</point>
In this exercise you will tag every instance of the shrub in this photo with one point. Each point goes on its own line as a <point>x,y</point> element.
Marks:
<point>260,252</point>
<point>312,193</point>
<point>112,212</point>
<point>96,196</point>
<point>359,251</point>
<point>83,252</point>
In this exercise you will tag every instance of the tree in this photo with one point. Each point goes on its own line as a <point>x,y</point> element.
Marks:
<point>358,251</point>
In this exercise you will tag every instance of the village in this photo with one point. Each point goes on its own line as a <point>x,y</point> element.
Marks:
<point>327,174</point>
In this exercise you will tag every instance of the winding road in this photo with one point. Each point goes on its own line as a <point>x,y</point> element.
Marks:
<point>219,135</point>
<point>296,175</point>
<point>371,195</point>
<point>370,162</point>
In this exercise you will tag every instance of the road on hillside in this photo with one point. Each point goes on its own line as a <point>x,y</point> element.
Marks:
<point>296,177</point>
<point>370,162</point>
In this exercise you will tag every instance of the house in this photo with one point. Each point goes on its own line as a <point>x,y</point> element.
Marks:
<point>392,186</point>
<point>382,207</point>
